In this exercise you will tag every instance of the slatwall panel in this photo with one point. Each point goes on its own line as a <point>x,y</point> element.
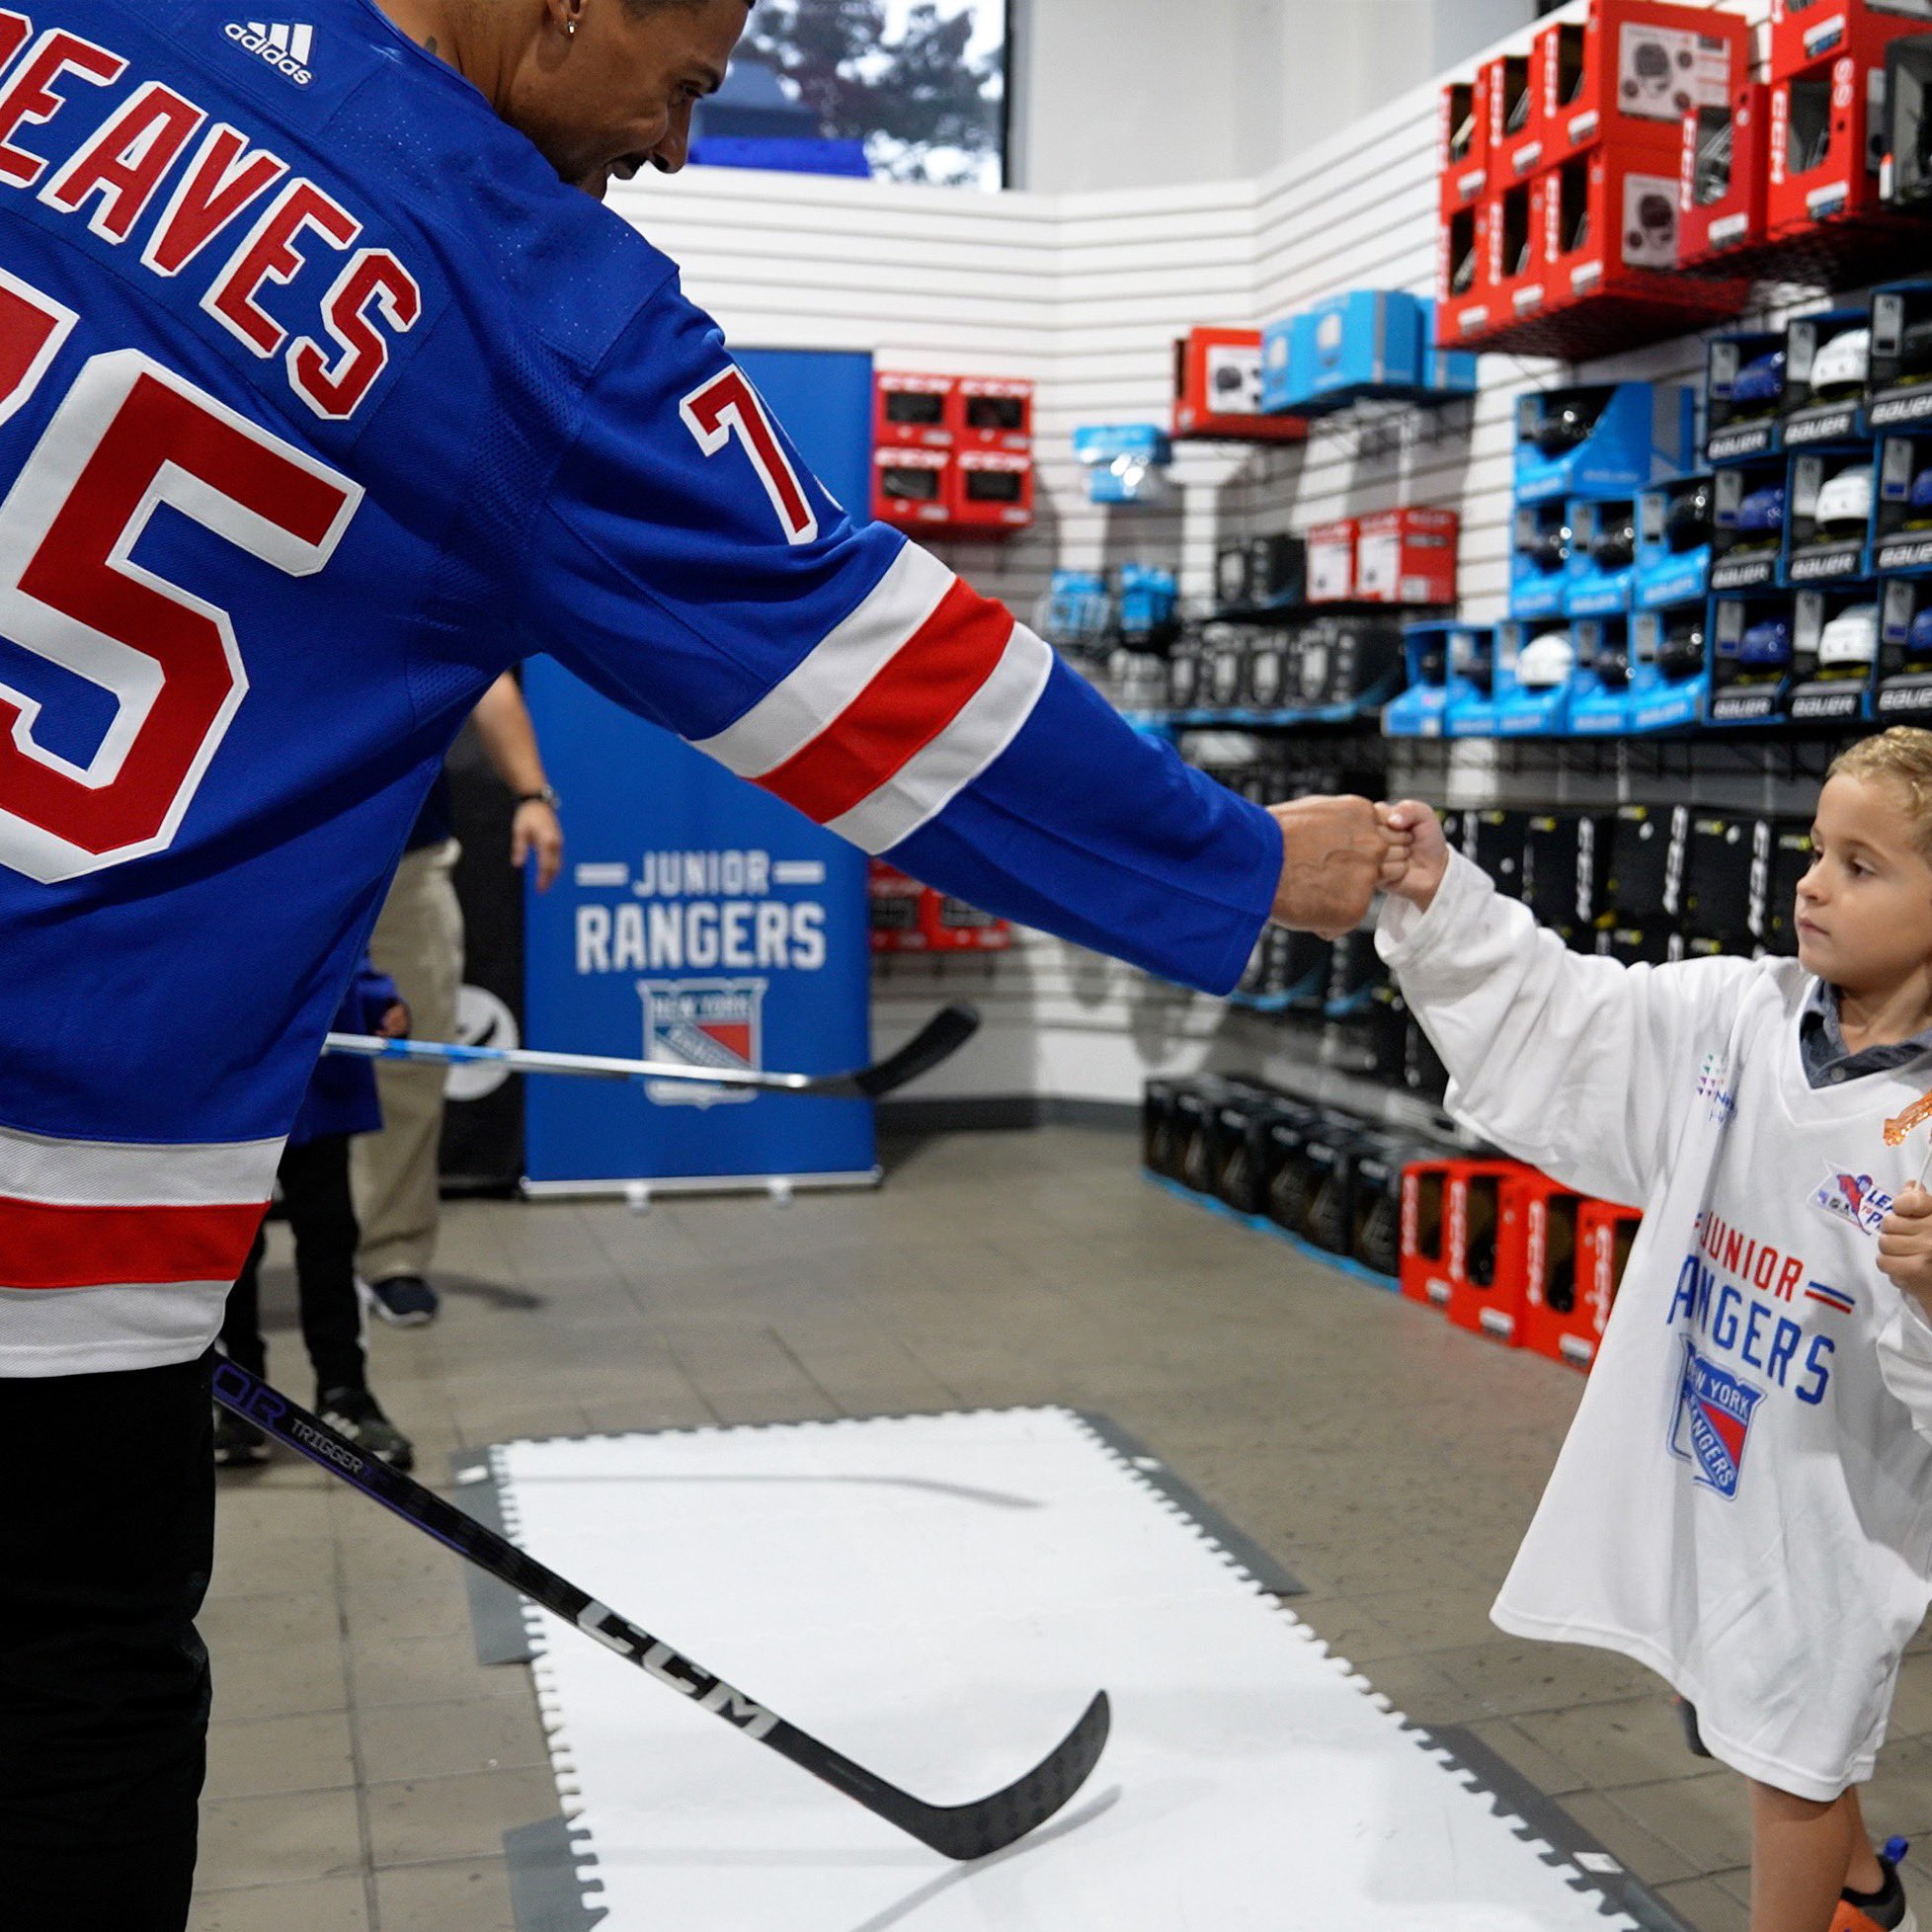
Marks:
<point>1085,293</point>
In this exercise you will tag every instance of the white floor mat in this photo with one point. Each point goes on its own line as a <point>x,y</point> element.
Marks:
<point>937,1597</point>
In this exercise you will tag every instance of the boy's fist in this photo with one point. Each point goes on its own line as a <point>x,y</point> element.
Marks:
<point>1419,853</point>
<point>1905,1245</point>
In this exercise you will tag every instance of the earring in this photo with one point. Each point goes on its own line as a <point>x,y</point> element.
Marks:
<point>570,30</point>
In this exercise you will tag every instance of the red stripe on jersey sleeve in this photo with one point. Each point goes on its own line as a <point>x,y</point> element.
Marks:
<point>42,1245</point>
<point>919,693</point>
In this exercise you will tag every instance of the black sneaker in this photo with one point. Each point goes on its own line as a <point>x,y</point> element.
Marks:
<point>405,1300</point>
<point>238,1444</point>
<point>355,1416</point>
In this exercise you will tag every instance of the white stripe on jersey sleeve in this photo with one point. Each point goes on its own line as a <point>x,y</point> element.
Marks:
<point>928,781</point>
<point>107,1174</point>
<point>833,675</point>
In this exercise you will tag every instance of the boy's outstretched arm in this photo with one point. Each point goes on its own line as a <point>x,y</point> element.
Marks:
<point>1572,1062</point>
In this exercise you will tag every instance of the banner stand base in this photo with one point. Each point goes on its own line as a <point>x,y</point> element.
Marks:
<point>639,1195</point>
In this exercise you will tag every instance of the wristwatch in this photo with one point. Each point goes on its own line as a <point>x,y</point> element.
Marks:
<point>547,796</point>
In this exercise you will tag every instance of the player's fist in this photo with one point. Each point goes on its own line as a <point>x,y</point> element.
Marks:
<point>1419,851</point>
<point>1905,1245</point>
<point>1332,852</point>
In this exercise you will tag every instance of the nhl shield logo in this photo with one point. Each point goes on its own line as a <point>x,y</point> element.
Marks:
<point>705,1024</point>
<point>1712,1422</point>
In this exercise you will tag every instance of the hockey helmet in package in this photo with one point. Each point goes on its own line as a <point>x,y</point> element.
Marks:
<point>1920,498</point>
<point>1687,523</point>
<point>1680,650</point>
<point>1761,515</point>
<point>1567,424</point>
<point>1760,385</point>
<point>1545,661</point>
<point>1918,639</point>
<point>1548,549</point>
<point>1612,660</point>
<point>1765,645</point>
<point>1844,505</point>
<point>1842,363</point>
<point>1615,544</point>
<point>1850,641</point>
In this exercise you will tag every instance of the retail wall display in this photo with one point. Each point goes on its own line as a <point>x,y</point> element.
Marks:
<point>952,455</point>
<point>1628,71</point>
<point>1218,390</point>
<point>1419,711</point>
<point>1743,395</point>
<point>1899,385</point>
<point>1748,524</point>
<point>896,904</point>
<point>1257,571</point>
<point>1531,676</point>
<point>1408,556</point>
<point>1783,847</point>
<point>1720,856</point>
<point>1463,144</point>
<point>1366,345</point>
<point>1602,564</point>
<point>1725,178</point>
<point>1599,440</point>
<point>1125,462</point>
<point>1669,673</point>
<point>1750,657</point>
<point>1094,613</point>
<point>1565,857</point>
<point>1830,133</point>
<point>1827,360</point>
<point>1906,179</point>
<point>1539,558</point>
<point>1469,704</point>
<point>1331,561</point>
<point>1834,643</point>
<point>1674,529</point>
<point>1905,685</point>
<point>1600,686</point>
<point>913,409</point>
<point>1829,504</point>
<point>1901,532</point>
<point>911,486</point>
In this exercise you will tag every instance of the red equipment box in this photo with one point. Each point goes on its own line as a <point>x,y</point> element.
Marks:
<point>912,487</point>
<point>1610,222</point>
<point>1516,129</point>
<point>1485,1274</point>
<point>1423,1270</point>
<point>1406,556</point>
<point>1331,561</point>
<point>988,414</point>
<point>1725,176</point>
<point>990,489</point>
<point>1517,283</point>
<point>1541,1225</point>
<point>912,410</point>
<point>1218,390</point>
<point>1604,1236</point>
<point>1463,144</point>
<point>1807,32</point>
<point>952,926</point>
<point>1463,304</point>
<point>896,904</point>
<point>1628,72</point>
<point>1827,133</point>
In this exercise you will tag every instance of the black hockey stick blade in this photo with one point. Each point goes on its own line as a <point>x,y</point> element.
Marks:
<point>937,1041</point>
<point>962,1832</point>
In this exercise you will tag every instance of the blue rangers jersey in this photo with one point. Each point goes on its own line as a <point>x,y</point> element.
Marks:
<point>321,402</point>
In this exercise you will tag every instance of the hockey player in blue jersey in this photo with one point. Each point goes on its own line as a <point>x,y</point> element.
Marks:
<point>325,396</point>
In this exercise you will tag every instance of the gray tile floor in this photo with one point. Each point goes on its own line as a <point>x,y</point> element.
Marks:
<point>364,1767</point>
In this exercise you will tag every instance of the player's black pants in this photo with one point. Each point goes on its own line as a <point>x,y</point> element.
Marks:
<point>322,1217</point>
<point>106,1531</point>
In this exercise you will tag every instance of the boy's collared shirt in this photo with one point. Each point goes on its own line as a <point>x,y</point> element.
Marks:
<point>1828,1061</point>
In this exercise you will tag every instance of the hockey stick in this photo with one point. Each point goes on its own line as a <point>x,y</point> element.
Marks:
<point>938,1039</point>
<point>961,1831</point>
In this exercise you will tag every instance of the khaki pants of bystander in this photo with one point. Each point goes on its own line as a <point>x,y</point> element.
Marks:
<point>419,942</point>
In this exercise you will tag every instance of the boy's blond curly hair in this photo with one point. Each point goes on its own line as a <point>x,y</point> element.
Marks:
<point>1902,758</point>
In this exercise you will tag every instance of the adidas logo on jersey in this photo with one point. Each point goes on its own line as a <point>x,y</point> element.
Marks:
<point>284,47</point>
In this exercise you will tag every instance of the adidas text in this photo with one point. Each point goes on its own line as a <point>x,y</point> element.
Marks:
<point>261,42</point>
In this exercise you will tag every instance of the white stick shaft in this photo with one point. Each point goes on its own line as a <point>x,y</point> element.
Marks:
<point>1925,1167</point>
<point>581,1066</point>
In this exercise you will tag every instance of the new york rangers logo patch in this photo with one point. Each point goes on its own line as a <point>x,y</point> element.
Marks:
<point>1713,1422</point>
<point>706,1024</point>
<point>1853,1197</point>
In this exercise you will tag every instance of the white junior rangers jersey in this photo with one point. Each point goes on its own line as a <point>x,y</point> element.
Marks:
<point>1744,1501</point>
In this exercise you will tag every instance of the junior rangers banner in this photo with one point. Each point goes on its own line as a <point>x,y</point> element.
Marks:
<point>696,919</point>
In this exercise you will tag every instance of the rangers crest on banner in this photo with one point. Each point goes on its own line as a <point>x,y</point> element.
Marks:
<point>1713,1422</point>
<point>705,1024</point>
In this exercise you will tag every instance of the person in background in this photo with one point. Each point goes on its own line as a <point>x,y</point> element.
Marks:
<point>419,942</point>
<point>314,1180</point>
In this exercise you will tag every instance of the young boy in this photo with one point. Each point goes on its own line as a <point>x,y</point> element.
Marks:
<point>314,1175</point>
<point>1744,1501</point>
